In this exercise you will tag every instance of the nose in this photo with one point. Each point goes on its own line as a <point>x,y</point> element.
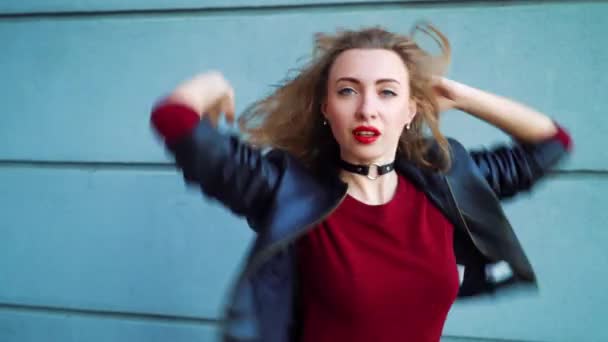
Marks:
<point>368,107</point>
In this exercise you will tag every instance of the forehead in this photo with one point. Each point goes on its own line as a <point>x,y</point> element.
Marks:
<point>369,64</point>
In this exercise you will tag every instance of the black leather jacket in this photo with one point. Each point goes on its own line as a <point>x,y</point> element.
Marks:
<point>281,201</point>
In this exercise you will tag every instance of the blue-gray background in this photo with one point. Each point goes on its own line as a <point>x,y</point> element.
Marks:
<point>101,241</point>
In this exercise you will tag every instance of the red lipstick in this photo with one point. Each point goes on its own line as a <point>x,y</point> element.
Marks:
<point>366,134</point>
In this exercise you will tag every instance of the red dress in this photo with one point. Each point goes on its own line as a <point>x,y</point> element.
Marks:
<point>378,273</point>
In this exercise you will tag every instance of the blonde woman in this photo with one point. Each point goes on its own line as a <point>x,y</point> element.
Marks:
<point>362,208</point>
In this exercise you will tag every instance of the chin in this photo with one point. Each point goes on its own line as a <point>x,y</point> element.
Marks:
<point>365,155</point>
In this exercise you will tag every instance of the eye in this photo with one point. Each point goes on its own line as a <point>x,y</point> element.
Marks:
<point>346,91</point>
<point>388,93</point>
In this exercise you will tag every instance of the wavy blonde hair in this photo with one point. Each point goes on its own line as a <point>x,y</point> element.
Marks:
<point>290,118</point>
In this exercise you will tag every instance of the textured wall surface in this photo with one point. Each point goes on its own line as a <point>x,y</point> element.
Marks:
<point>101,241</point>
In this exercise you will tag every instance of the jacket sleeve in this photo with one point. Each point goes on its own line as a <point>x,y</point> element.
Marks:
<point>511,169</point>
<point>225,168</point>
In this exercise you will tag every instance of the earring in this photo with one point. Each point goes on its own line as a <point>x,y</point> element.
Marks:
<point>408,126</point>
<point>324,122</point>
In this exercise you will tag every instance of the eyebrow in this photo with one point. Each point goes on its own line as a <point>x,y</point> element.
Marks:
<point>354,80</point>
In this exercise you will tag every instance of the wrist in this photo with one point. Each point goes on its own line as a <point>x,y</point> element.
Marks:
<point>464,96</point>
<point>172,119</point>
<point>181,97</point>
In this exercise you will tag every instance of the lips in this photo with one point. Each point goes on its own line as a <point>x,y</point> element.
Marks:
<point>366,134</point>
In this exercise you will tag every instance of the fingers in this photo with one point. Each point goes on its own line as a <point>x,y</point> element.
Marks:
<point>228,106</point>
<point>225,105</point>
<point>436,79</point>
<point>214,116</point>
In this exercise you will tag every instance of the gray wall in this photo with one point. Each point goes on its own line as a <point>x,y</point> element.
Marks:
<point>99,238</point>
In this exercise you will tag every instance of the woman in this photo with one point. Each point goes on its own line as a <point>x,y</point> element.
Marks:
<point>361,217</point>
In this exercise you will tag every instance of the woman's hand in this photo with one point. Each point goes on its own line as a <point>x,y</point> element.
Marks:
<point>447,93</point>
<point>515,119</point>
<point>209,94</point>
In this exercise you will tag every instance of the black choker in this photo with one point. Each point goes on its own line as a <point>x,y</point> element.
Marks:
<point>365,169</point>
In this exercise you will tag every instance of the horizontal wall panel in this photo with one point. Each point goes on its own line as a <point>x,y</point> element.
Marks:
<point>563,228</point>
<point>137,242</point>
<point>116,241</point>
<point>81,89</point>
<point>54,6</point>
<point>28,327</point>
<point>35,327</point>
<point>474,339</point>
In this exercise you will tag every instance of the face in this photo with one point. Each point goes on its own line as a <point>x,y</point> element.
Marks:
<point>368,104</point>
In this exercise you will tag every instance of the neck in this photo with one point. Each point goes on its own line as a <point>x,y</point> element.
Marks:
<point>373,192</point>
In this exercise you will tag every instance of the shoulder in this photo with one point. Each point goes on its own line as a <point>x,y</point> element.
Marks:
<point>285,161</point>
<point>288,163</point>
<point>459,155</point>
<point>456,147</point>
